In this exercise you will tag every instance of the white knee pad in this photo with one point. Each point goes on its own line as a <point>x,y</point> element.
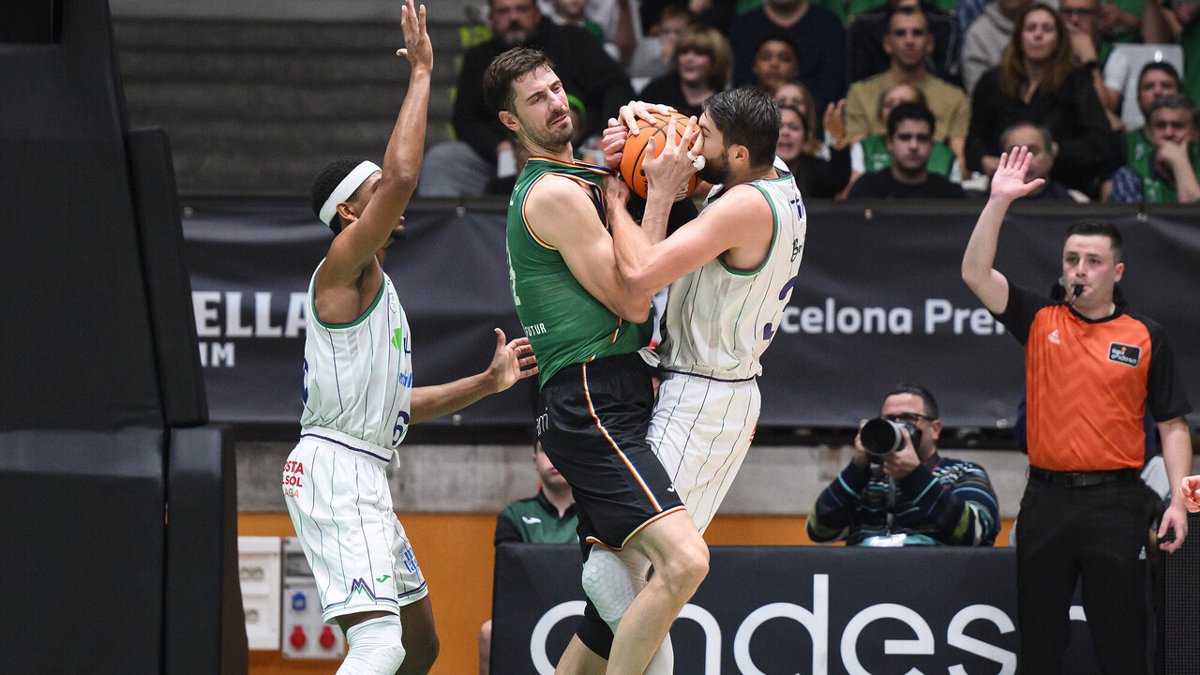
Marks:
<point>375,647</point>
<point>663,662</point>
<point>609,585</point>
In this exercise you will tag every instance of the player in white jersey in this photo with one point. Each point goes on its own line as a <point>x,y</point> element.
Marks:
<point>731,271</point>
<point>359,399</point>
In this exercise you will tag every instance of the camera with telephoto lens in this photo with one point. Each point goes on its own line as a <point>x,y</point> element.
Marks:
<point>881,437</point>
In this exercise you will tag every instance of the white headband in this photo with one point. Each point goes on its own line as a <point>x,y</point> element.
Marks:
<point>342,192</point>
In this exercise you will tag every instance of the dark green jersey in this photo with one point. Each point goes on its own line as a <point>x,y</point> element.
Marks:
<point>876,157</point>
<point>536,521</point>
<point>563,322</point>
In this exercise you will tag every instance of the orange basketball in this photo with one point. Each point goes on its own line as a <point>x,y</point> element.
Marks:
<point>635,150</point>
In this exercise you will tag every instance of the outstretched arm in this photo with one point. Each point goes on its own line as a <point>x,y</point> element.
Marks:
<point>512,361</point>
<point>1008,185</point>
<point>353,251</point>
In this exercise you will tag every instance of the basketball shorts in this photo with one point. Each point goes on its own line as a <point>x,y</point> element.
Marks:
<point>701,431</point>
<point>592,425</point>
<point>336,490</point>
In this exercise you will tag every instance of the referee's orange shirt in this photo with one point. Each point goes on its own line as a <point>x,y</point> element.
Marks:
<point>1088,383</point>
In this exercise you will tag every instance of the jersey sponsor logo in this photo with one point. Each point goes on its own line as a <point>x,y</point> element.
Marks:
<point>1125,354</point>
<point>531,520</point>
<point>1053,337</point>
<point>293,478</point>
<point>534,329</point>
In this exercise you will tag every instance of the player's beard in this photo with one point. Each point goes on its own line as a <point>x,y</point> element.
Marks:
<point>716,169</point>
<point>551,137</point>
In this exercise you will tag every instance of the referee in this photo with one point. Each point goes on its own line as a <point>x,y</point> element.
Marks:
<point>1091,369</point>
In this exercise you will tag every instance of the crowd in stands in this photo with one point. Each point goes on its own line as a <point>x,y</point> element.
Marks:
<point>1103,93</point>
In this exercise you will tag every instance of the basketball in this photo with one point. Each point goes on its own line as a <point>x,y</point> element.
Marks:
<point>635,150</point>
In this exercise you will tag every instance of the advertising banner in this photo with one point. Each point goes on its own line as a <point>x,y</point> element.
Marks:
<point>806,609</point>
<point>879,300</point>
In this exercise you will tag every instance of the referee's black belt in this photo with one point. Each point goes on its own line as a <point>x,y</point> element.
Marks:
<point>1075,479</point>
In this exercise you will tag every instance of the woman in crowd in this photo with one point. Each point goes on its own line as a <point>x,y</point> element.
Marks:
<point>817,154</point>
<point>1037,82</point>
<point>819,175</point>
<point>701,68</point>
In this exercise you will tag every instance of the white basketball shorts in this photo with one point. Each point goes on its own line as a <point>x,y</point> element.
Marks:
<point>701,431</point>
<point>336,490</point>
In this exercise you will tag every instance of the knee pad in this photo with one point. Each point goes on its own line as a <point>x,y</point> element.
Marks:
<point>609,585</point>
<point>375,647</point>
<point>663,662</point>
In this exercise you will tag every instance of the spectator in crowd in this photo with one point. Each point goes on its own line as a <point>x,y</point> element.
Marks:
<point>816,176</point>
<point>1089,51</point>
<point>1036,82</point>
<point>1091,370</point>
<point>817,30</point>
<point>908,43</point>
<point>1156,79</point>
<point>574,13</point>
<point>985,40</point>
<point>797,95</point>
<point>1170,174</point>
<point>483,159</point>
<point>776,61</point>
<point>909,142</point>
<point>545,518</point>
<point>909,497</point>
<point>866,33</point>
<point>618,21</point>
<point>1123,72</point>
<point>716,13</point>
<point>1043,150</point>
<point>1119,21</point>
<point>655,53</point>
<point>1171,21</point>
<point>700,69</point>
<point>871,154</point>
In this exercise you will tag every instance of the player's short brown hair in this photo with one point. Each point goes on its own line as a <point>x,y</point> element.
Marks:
<point>507,68</point>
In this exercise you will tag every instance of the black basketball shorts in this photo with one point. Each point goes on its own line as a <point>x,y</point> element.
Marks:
<point>592,425</point>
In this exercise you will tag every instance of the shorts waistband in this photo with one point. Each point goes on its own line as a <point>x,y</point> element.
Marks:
<point>597,367</point>
<point>668,372</point>
<point>1076,479</point>
<point>345,441</point>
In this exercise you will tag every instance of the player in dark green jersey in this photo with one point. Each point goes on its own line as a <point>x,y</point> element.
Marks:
<point>596,394</point>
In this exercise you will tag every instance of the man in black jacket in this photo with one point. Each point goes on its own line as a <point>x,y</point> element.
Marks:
<point>482,160</point>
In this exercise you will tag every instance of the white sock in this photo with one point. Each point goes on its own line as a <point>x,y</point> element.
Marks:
<point>375,647</point>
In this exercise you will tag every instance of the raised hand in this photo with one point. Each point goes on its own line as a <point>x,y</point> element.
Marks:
<point>417,48</point>
<point>835,122</point>
<point>1008,183</point>
<point>512,361</point>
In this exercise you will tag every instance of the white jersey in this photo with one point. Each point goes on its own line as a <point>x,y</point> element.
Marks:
<point>720,320</point>
<point>358,375</point>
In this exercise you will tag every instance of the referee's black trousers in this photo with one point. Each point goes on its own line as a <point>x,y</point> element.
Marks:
<point>1099,534</point>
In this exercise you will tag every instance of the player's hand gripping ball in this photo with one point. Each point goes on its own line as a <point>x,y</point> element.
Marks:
<point>636,146</point>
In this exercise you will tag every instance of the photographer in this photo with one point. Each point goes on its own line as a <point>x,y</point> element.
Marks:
<point>898,491</point>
